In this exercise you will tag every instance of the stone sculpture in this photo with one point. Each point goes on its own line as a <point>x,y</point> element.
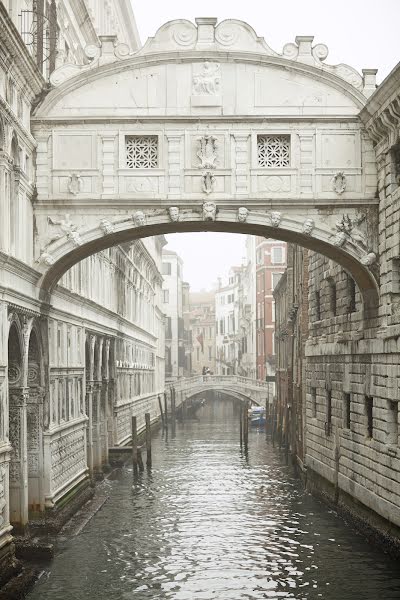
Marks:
<point>208,182</point>
<point>68,229</point>
<point>139,218</point>
<point>208,81</point>
<point>173,213</point>
<point>207,152</point>
<point>308,226</point>
<point>209,211</point>
<point>242,214</point>
<point>339,183</point>
<point>75,184</point>
<point>106,226</point>
<point>275,218</point>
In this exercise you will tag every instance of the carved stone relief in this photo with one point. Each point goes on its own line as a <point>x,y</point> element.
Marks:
<point>308,226</point>
<point>242,214</point>
<point>275,218</point>
<point>209,211</point>
<point>75,184</point>
<point>2,495</point>
<point>208,81</point>
<point>67,228</point>
<point>139,218</point>
<point>207,152</point>
<point>339,183</point>
<point>106,226</point>
<point>207,182</point>
<point>173,212</point>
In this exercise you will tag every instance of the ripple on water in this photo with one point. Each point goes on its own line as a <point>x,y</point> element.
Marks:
<point>210,524</point>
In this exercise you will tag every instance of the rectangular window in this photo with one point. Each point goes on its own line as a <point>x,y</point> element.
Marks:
<point>393,422</point>
<point>273,150</point>
<point>141,151</point>
<point>352,294</point>
<point>259,256</point>
<point>273,311</point>
<point>346,411</point>
<point>313,402</point>
<point>328,422</point>
<point>165,296</point>
<point>277,256</point>
<point>317,306</point>
<point>332,298</point>
<point>395,154</point>
<point>166,268</point>
<point>369,406</point>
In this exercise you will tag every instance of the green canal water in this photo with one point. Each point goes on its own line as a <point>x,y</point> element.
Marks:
<point>211,523</point>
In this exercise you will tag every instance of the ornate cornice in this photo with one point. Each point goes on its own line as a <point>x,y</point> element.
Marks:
<point>11,43</point>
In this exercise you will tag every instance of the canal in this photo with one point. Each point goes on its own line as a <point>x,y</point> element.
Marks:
<point>209,522</point>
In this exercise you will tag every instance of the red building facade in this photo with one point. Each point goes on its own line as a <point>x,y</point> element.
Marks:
<point>270,265</point>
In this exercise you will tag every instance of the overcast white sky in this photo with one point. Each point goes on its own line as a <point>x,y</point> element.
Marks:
<point>361,33</point>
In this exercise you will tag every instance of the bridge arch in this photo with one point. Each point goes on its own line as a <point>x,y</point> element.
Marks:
<point>67,252</point>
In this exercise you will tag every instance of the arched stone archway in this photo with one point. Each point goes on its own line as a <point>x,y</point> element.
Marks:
<point>350,252</point>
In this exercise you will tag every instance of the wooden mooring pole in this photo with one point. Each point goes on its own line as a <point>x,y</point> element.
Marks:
<point>134,446</point>
<point>165,410</point>
<point>161,412</point>
<point>148,440</point>
<point>241,425</point>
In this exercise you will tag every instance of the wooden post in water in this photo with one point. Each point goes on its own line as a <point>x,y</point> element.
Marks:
<point>165,410</point>
<point>161,412</point>
<point>173,413</point>
<point>148,440</point>
<point>246,425</point>
<point>241,425</point>
<point>139,458</point>
<point>134,446</point>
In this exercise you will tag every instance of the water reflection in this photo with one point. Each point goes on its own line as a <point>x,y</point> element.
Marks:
<point>207,523</point>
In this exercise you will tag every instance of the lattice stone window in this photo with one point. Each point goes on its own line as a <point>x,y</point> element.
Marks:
<point>273,150</point>
<point>141,151</point>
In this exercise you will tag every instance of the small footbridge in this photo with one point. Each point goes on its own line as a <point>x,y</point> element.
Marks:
<point>243,388</point>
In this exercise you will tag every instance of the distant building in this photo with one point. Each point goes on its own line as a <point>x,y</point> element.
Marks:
<point>227,338</point>
<point>292,332</point>
<point>173,300</point>
<point>202,327</point>
<point>270,264</point>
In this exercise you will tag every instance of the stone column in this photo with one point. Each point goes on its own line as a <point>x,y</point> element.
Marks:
<point>19,457</point>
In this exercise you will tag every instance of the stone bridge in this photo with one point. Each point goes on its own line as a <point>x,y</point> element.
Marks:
<point>206,128</point>
<point>242,388</point>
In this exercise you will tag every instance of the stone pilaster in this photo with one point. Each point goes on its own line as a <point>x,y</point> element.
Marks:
<point>108,161</point>
<point>307,164</point>
<point>242,163</point>
<point>174,165</point>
